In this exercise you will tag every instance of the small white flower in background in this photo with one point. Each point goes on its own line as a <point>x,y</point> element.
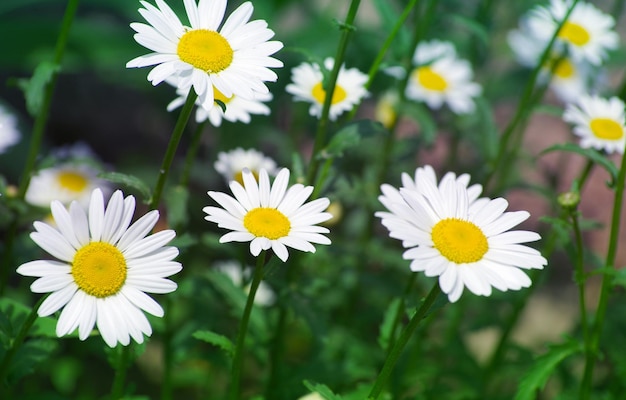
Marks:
<point>307,85</point>
<point>264,295</point>
<point>588,34</point>
<point>599,122</point>
<point>66,182</point>
<point>440,77</point>
<point>270,216</point>
<point>233,57</point>
<point>230,164</point>
<point>462,239</point>
<point>237,108</point>
<point>106,266</point>
<point>9,134</point>
<point>386,108</point>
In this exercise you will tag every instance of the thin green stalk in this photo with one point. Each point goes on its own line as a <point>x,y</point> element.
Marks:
<point>579,183</point>
<point>400,311</point>
<point>524,107</point>
<point>593,342</point>
<point>579,271</point>
<point>322,127</point>
<point>192,152</point>
<point>167,392</point>
<point>235,373</point>
<point>123,361</point>
<point>19,339</point>
<point>179,128</point>
<point>396,351</point>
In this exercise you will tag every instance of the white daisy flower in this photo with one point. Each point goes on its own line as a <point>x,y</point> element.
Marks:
<point>66,182</point>
<point>264,295</point>
<point>105,266</point>
<point>465,243</point>
<point>307,86</point>
<point>232,163</point>
<point>440,77</point>
<point>569,80</point>
<point>599,122</point>
<point>237,108</point>
<point>270,216</point>
<point>588,33</point>
<point>234,58</point>
<point>9,134</point>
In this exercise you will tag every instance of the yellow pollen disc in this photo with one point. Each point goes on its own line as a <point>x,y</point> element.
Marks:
<point>319,94</point>
<point>206,50</point>
<point>575,34</point>
<point>72,181</point>
<point>267,222</point>
<point>607,129</point>
<point>459,241</point>
<point>430,79</point>
<point>217,95</point>
<point>99,269</point>
<point>239,176</point>
<point>564,69</point>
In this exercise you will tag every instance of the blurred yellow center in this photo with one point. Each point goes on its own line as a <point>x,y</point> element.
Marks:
<point>574,33</point>
<point>564,69</point>
<point>430,79</point>
<point>217,95</point>
<point>99,269</point>
<point>239,176</point>
<point>206,50</point>
<point>72,181</point>
<point>459,241</point>
<point>319,94</point>
<point>267,222</point>
<point>607,129</point>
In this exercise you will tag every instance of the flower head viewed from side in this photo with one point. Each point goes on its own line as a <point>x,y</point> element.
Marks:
<point>307,85</point>
<point>9,134</point>
<point>230,164</point>
<point>270,216</point>
<point>599,122</point>
<point>106,266</point>
<point>232,269</point>
<point>465,242</point>
<point>233,57</point>
<point>441,77</point>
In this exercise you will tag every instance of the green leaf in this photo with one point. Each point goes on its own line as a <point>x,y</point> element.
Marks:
<point>323,390</point>
<point>176,200</point>
<point>542,368</point>
<point>388,323</point>
<point>221,104</point>
<point>591,154</point>
<point>350,136</point>
<point>34,88</point>
<point>12,316</point>
<point>215,339</point>
<point>130,181</point>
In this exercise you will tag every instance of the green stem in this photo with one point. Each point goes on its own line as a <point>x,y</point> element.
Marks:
<point>235,374</point>
<point>179,128</point>
<point>579,271</point>
<point>19,339</point>
<point>397,349</point>
<point>580,182</point>
<point>322,127</point>
<point>166,387</point>
<point>123,358</point>
<point>593,343</point>
<point>192,152</point>
<point>400,311</point>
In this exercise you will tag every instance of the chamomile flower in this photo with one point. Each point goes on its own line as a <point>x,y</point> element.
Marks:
<point>105,267</point>
<point>465,243</point>
<point>232,163</point>
<point>307,85</point>
<point>441,77</point>
<point>270,216</point>
<point>233,57</point>
<point>237,108</point>
<point>9,134</point>
<point>588,33</point>
<point>66,182</point>
<point>599,122</point>
<point>264,295</point>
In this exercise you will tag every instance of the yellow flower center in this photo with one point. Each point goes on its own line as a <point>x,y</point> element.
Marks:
<point>575,34</point>
<point>72,181</point>
<point>239,176</point>
<point>564,69</point>
<point>430,79</point>
<point>267,222</point>
<point>459,241</point>
<point>99,269</point>
<point>606,128</point>
<point>319,94</point>
<point>217,95</point>
<point>206,50</point>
